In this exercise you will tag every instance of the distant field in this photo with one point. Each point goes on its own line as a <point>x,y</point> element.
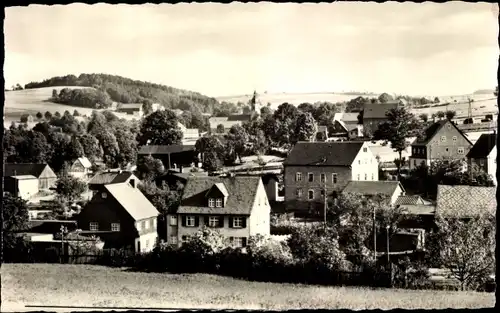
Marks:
<point>482,105</point>
<point>293,98</point>
<point>32,101</point>
<point>84,285</point>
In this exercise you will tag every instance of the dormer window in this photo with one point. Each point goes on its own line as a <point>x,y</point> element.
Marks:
<point>211,203</point>
<point>218,203</point>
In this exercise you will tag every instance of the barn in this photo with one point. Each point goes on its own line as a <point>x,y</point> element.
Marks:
<point>42,172</point>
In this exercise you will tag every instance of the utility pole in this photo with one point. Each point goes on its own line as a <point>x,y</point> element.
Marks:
<point>63,230</point>
<point>325,203</point>
<point>388,258</point>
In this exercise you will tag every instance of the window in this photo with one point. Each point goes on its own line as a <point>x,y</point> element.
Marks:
<point>311,177</point>
<point>94,226</point>
<point>213,221</point>
<point>190,221</point>
<point>359,178</point>
<point>322,193</point>
<point>173,240</point>
<point>365,149</point>
<point>310,195</point>
<point>454,138</point>
<point>366,176</point>
<point>104,195</point>
<point>218,202</point>
<point>115,226</point>
<point>359,161</point>
<point>238,242</point>
<point>443,138</point>
<point>298,176</point>
<point>334,178</point>
<point>143,224</point>
<point>461,150</point>
<point>146,224</point>
<point>323,177</point>
<point>237,222</point>
<point>373,177</point>
<point>211,203</point>
<point>299,192</point>
<point>173,220</point>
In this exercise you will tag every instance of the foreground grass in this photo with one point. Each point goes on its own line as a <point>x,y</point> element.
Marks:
<point>87,285</point>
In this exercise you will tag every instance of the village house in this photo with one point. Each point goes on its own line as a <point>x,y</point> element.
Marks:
<point>312,167</point>
<point>237,207</point>
<point>100,180</point>
<point>484,154</point>
<point>227,122</point>
<point>464,202</point>
<point>27,179</point>
<point>134,109</point>
<point>374,115</point>
<point>189,134</point>
<point>393,190</point>
<point>347,125</point>
<point>322,133</point>
<point>122,217</point>
<point>442,140</point>
<point>173,157</point>
<point>81,168</point>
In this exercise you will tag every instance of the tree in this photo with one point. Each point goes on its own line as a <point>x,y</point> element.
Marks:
<point>385,97</point>
<point>468,248</point>
<point>110,148</point>
<point>39,115</point>
<point>356,104</point>
<point>220,129</point>
<point>163,199</point>
<point>147,106</point>
<point>238,137</point>
<point>424,117</point>
<point>33,148</point>
<point>211,162</point>
<point>440,114</point>
<point>306,107</point>
<point>15,219</point>
<point>57,114</point>
<point>436,100</point>
<point>48,115</point>
<point>450,114</point>
<point>160,128</point>
<point>58,154</point>
<point>246,109</point>
<point>54,94</point>
<point>400,123</point>
<point>91,148</point>
<point>305,127</point>
<point>149,168</point>
<point>76,113</point>
<point>70,188</point>
<point>265,111</point>
<point>285,117</point>
<point>496,91</point>
<point>74,150</point>
<point>127,146</point>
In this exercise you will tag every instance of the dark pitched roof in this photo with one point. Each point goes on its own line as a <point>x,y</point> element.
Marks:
<point>241,195</point>
<point>385,187</point>
<point>133,201</point>
<point>378,110</point>
<point>433,129</point>
<point>465,201</point>
<point>483,146</point>
<point>106,178</point>
<point>20,169</point>
<point>239,117</point>
<point>324,153</point>
<point>409,200</point>
<point>146,150</point>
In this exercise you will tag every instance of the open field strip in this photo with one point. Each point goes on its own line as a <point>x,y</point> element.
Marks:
<point>84,285</point>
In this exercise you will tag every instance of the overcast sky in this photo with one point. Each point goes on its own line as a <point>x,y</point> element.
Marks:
<point>232,49</point>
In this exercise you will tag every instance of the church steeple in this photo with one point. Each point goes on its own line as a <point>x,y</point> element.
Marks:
<point>255,103</point>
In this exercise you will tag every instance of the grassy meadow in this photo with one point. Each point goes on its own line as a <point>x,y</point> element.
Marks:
<point>88,285</point>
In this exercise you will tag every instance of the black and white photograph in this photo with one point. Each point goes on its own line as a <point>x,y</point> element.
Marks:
<point>249,156</point>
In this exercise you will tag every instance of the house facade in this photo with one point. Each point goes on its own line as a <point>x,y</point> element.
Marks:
<point>81,168</point>
<point>122,217</point>
<point>310,168</point>
<point>374,115</point>
<point>237,207</point>
<point>391,189</point>
<point>44,174</point>
<point>189,134</point>
<point>484,155</point>
<point>442,140</point>
<point>22,186</point>
<point>134,109</point>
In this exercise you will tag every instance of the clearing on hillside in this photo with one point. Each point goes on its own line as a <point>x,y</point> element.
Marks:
<point>98,286</point>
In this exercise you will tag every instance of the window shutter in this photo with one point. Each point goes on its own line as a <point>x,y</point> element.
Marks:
<point>244,222</point>
<point>244,241</point>
<point>196,221</point>
<point>183,217</point>
<point>231,223</point>
<point>221,221</point>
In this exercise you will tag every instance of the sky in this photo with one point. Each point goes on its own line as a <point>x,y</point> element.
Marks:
<point>232,49</point>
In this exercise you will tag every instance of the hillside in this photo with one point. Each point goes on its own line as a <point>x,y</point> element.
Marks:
<point>126,90</point>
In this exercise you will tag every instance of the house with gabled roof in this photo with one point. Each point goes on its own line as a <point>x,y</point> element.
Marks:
<point>42,172</point>
<point>172,156</point>
<point>236,206</point>
<point>388,188</point>
<point>134,109</point>
<point>374,114</point>
<point>462,201</point>
<point>442,140</point>
<point>81,168</point>
<point>109,177</point>
<point>122,217</point>
<point>484,155</point>
<point>313,167</point>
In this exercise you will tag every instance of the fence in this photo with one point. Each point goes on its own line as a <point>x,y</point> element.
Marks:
<point>52,254</point>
